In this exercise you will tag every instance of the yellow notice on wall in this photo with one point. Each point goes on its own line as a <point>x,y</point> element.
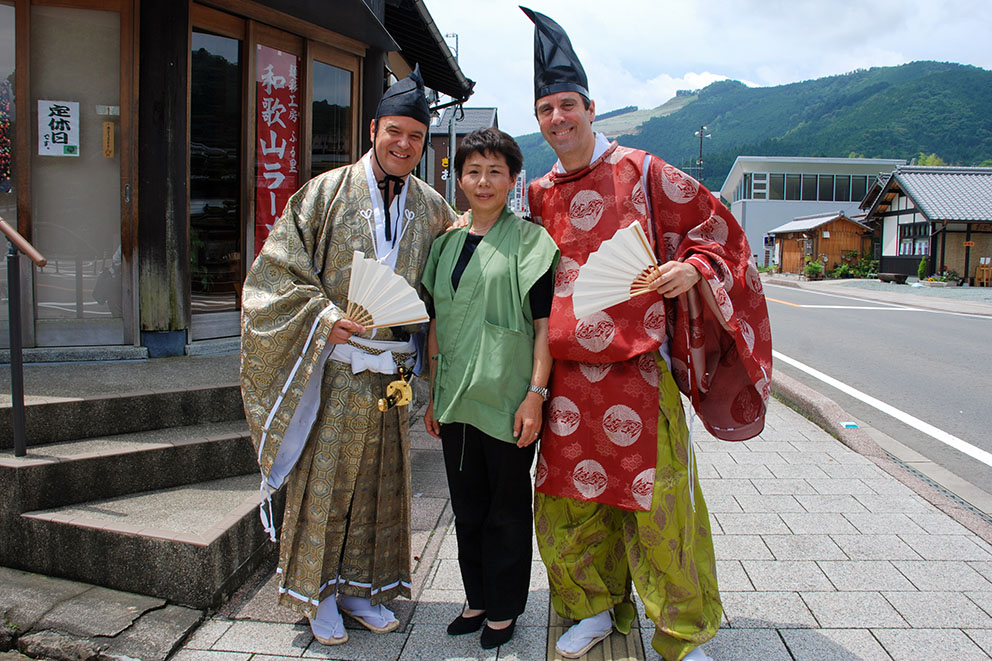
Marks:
<point>108,139</point>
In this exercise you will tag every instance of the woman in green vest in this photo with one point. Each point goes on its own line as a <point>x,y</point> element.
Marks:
<point>491,284</point>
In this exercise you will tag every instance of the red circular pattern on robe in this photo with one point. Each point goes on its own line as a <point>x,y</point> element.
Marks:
<point>589,478</point>
<point>542,471</point>
<point>747,405</point>
<point>753,278</point>
<point>643,487</point>
<point>565,275</point>
<point>714,230</point>
<point>586,209</point>
<point>654,321</point>
<point>622,425</point>
<point>671,240</point>
<point>678,186</point>
<point>637,198</point>
<point>722,298</point>
<point>563,415</point>
<point>595,371</point>
<point>748,334</point>
<point>648,368</point>
<point>595,332</point>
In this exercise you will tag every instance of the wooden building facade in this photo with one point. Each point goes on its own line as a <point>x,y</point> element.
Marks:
<point>824,238</point>
<point>147,146</point>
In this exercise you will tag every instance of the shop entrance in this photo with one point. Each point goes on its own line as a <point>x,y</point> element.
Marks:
<point>79,161</point>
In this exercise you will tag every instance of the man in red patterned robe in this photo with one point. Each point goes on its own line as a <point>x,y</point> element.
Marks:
<point>618,501</point>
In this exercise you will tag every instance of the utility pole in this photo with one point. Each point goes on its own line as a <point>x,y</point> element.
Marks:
<point>701,133</point>
<point>449,190</point>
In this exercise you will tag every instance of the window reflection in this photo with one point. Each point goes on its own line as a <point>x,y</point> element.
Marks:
<point>331,118</point>
<point>214,181</point>
<point>8,199</point>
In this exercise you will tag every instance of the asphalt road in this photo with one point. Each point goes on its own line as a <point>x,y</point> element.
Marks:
<point>934,366</point>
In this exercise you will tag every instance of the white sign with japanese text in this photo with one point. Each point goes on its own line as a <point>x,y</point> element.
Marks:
<point>58,128</point>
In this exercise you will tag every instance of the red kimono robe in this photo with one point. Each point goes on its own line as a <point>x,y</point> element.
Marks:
<point>600,432</point>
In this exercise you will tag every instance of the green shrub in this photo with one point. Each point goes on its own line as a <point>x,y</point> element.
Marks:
<point>921,270</point>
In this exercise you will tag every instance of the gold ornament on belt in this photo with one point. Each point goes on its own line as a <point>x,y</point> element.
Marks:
<point>399,392</point>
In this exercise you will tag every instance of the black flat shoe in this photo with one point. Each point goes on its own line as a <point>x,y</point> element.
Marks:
<point>462,625</point>
<point>495,637</point>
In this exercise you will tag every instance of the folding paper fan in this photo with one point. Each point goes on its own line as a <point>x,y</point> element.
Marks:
<point>377,297</point>
<point>622,267</point>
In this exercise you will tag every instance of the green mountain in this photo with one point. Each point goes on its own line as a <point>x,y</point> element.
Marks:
<point>883,112</point>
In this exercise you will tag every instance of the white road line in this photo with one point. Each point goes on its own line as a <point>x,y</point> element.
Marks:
<point>855,307</point>
<point>902,416</point>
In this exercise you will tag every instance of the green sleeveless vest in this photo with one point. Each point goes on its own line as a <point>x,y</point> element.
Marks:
<point>485,330</point>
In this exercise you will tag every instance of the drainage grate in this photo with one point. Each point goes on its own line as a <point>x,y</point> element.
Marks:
<point>942,489</point>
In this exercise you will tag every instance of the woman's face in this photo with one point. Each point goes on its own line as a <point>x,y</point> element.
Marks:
<point>486,181</point>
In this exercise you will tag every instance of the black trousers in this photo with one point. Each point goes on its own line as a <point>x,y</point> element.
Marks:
<point>491,495</point>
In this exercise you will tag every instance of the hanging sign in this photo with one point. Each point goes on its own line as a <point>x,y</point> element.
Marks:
<point>58,128</point>
<point>276,120</point>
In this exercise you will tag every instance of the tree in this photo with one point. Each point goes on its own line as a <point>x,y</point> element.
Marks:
<point>929,159</point>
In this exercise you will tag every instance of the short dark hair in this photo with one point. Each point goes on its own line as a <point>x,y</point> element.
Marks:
<point>490,141</point>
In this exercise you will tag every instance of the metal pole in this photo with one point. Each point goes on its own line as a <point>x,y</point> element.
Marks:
<point>16,358</point>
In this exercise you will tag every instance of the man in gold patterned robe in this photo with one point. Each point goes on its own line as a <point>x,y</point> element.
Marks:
<point>311,378</point>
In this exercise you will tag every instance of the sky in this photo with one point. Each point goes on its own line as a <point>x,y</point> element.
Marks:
<point>639,52</point>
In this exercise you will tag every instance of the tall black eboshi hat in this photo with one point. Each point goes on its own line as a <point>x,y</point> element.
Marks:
<point>406,98</point>
<point>556,66</point>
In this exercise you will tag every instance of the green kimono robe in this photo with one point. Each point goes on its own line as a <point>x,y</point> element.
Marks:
<point>315,424</point>
<point>485,330</point>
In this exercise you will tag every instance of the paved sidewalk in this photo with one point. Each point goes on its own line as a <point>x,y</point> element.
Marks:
<point>822,554</point>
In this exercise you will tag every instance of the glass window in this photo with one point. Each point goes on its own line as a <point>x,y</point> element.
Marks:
<point>792,187</point>
<point>859,188</point>
<point>826,185</point>
<point>842,189</point>
<point>746,193</point>
<point>214,173</point>
<point>776,187</point>
<point>809,186</point>
<point>8,197</point>
<point>332,134</point>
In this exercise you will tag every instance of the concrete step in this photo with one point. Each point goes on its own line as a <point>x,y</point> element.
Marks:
<point>116,465</point>
<point>52,419</point>
<point>191,545</point>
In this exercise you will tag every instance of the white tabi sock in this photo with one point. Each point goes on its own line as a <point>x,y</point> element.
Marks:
<point>378,616</point>
<point>585,634</point>
<point>328,624</point>
<point>697,655</point>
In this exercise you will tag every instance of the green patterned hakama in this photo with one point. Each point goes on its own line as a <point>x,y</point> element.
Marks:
<point>593,551</point>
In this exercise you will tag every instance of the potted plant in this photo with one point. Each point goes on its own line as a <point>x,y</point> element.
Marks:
<point>813,270</point>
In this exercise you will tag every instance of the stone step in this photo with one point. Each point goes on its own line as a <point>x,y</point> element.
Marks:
<point>52,419</point>
<point>108,466</point>
<point>191,545</point>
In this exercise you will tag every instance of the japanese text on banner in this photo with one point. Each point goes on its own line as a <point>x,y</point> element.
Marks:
<point>276,122</point>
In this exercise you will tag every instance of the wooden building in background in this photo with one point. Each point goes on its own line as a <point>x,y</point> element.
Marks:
<point>824,238</point>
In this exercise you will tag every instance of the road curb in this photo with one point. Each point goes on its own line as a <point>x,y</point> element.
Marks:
<point>828,415</point>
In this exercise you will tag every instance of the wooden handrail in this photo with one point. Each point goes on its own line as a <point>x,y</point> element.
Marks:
<point>22,244</point>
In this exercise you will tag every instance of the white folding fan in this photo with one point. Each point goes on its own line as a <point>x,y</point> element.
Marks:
<point>621,268</point>
<point>378,297</point>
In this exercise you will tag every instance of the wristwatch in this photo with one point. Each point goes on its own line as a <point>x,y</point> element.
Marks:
<point>543,392</point>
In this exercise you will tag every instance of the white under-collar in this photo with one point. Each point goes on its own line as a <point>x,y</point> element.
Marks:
<point>602,144</point>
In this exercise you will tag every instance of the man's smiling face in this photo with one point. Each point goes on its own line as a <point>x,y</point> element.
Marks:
<point>398,145</point>
<point>566,124</point>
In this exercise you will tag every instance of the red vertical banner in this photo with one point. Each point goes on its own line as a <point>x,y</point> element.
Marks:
<point>277,116</point>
